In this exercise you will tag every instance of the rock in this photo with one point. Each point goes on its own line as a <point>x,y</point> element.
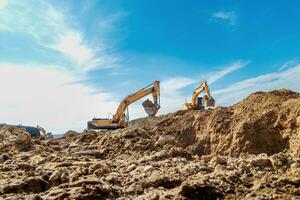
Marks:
<point>153,197</point>
<point>113,178</point>
<point>23,138</point>
<point>165,139</point>
<point>207,169</point>
<point>23,141</point>
<point>30,185</point>
<point>163,181</point>
<point>75,176</point>
<point>148,168</point>
<point>101,172</point>
<point>298,121</point>
<point>192,190</point>
<point>131,167</point>
<point>59,176</point>
<point>244,165</point>
<point>4,157</point>
<point>156,157</point>
<point>37,197</point>
<point>279,160</point>
<point>296,164</point>
<point>133,132</point>
<point>261,162</point>
<point>206,158</point>
<point>70,133</point>
<point>52,142</point>
<point>260,198</point>
<point>216,160</point>
<point>94,167</point>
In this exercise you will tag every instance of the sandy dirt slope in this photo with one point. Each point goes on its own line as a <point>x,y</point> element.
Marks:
<point>250,150</point>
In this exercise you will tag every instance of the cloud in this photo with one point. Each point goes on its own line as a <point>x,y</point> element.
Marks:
<point>56,30</point>
<point>289,64</point>
<point>271,81</point>
<point>37,19</point>
<point>49,97</point>
<point>226,16</point>
<point>108,23</point>
<point>176,83</point>
<point>4,27</point>
<point>72,45</point>
<point>215,76</point>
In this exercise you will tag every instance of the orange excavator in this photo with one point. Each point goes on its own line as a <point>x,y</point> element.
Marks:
<point>120,119</point>
<point>200,102</point>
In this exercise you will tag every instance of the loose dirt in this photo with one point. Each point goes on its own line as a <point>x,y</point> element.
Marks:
<point>250,150</point>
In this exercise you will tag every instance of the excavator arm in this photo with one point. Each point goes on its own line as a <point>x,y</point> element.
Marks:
<point>118,120</point>
<point>203,86</point>
<point>136,96</point>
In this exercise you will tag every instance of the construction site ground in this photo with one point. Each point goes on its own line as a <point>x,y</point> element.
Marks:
<point>250,150</point>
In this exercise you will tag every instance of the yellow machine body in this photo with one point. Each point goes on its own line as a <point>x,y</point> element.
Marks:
<point>119,119</point>
<point>206,101</point>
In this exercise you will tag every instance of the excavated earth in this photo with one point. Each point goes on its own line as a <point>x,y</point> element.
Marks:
<point>250,150</point>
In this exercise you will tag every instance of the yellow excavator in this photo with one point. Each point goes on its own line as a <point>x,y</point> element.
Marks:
<point>120,120</point>
<point>200,102</point>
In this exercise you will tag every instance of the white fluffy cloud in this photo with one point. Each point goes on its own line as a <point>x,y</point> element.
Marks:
<point>226,16</point>
<point>72,45</point>
<point>56,30</point>
<point>48,97</point>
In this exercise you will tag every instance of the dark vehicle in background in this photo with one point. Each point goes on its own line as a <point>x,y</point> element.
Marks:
<point>35,132</point>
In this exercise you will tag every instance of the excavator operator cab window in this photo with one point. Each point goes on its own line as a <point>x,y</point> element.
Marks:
<point>200,103</point>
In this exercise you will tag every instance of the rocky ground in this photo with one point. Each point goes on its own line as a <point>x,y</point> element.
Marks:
<point>250,150</point>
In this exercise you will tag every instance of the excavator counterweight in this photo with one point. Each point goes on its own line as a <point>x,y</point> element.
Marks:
<point>119,119</point>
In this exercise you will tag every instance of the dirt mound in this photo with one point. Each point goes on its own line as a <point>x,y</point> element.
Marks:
<point>265,122</point>
<point>247,151</point>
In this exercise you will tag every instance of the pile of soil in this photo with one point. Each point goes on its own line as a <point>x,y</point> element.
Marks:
<point>265,122</point>
<point>250,150</point>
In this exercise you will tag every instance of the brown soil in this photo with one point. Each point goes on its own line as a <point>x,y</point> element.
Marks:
<point>250,150</point>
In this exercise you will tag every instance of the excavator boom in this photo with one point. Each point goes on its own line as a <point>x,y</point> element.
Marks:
<point>119,118</point>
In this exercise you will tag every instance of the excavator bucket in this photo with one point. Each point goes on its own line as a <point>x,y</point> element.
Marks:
<point>150,107</point>
<point>209,102</point>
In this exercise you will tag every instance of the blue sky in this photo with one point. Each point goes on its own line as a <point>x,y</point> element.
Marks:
<point>64,62</point>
